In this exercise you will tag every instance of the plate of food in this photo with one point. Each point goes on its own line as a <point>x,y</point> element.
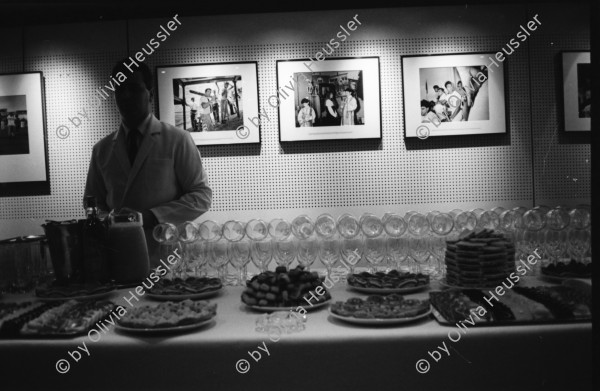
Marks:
<point>281,290</point>
<point>164,330</point>
<point>393,281</point>
<point>69,319</point>
<point>557,273</point>
<point>167,317</point>
<point>380,310</point>
<point>306,306</point>
<point>193,288</point>
<point>54,292</point>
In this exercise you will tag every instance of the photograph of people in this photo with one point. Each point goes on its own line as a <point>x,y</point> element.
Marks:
<point>464,95</point>
<point>584,84</point>
<point>205,103</point>
<point>306,114</point>
<point>427,113</point>
<point>349,105</point>
<point>194,106</point>
<point>205,111</point>
<point>332,117</point>
<point>331,94</point>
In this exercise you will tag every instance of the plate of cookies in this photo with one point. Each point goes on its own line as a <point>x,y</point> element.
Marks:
<point>393,281</point>
<point>480,259</point>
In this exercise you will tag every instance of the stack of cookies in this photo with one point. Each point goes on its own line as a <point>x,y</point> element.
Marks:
<point>482,259</point>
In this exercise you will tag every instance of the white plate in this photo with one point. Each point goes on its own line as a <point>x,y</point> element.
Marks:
<point>558,279</point>
<point>307,307</point>
<point>445,284</point>
<point>95,296</point>
<point>163,330</point>
<point>192,296</point>
<point>389,290</point>
<point>378,321</point>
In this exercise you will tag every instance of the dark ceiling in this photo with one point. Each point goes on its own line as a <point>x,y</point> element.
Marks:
<point>23,13</point>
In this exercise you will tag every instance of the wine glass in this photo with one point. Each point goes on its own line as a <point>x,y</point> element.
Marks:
<point>262,253</point>
<point>279,229</point>
<point>555,244</point>
<point>325,226</point>
<point>199,256</point>
<point>257,229</point>
<point>395,226</point>
<point>303,227</point>
<point>212,232</point>
<point>239,256</point>
<point>580,218</point>
<point>166,235</point>
<point>188,234</point>
<point>329,253</point>
<point>519,211</point>
<point>534,219</point>
<point>219,258</point>
<point>578,242</point>
<point>375,251</point>
<point>308,250</point>
<point>418,225</point>
<point>440,224</point>
<point>558,218</point>
<point>371,225</point>
<point>465,221</point>
<point>419,251</point>
<point>352,244</point>
<point>486,219</point>
<point>234,231</point>
<point>284,251</point>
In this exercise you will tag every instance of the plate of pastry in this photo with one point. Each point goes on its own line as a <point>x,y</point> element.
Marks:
<point>380,310</point>
<point>167,317</point>
<point>193,288</point>
<point>55,292</point>
<point>393,281</point>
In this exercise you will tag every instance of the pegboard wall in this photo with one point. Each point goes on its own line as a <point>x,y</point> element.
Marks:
<point>480,169</point>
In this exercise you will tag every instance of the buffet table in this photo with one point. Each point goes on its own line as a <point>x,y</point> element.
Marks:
<point>328,355</point>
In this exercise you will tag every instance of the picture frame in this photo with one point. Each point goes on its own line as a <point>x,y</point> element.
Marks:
<point>23,138</point>
<point>476,103</point>
<point>228,116</point>
<point>577,90</point>
<point>314,103</point>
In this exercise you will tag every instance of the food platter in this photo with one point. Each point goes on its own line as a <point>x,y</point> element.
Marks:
<point>379,321</point>
<point>445,284</point>
<point>559,279</point>
<point>410,289</point>
<point>191,296</point>
<point>306,306</point>
<point>94,296</point>
<point>163,330</point>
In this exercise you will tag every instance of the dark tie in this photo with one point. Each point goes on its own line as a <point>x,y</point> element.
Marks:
<point>132,144</point>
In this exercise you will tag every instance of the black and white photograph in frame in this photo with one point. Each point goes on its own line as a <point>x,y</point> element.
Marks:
<point>446,95</point>
<point>23,157</point>
<point>577,90</point>
<point>214,102</point>
<point>332,99</point>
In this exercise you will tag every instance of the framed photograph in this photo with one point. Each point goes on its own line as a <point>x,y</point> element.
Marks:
<point>447,95</point>
<point>332,99</point>
<point>577,90</point>
<point>23,143</point>
<point>216,103</point>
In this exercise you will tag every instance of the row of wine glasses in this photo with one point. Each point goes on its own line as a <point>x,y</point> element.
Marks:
<point>411,242</point>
